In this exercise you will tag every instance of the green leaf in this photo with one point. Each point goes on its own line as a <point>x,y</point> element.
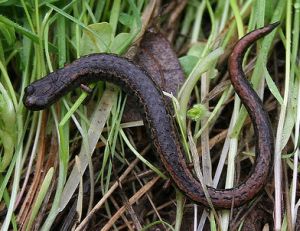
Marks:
<point>126,19</point>
<point>188,63</point>
<point>197,49</point>
<point>119,42</point>
<point>8,33</point>
<point>272,87</point>
<point>73,19</point>
<point>114,15</point>
<point>290,118</point>
<point>19,28</point>
<point>23,31</point>
<point>8,128</point>
<point>41,195</point>
<point>96,44</point>
<point>9,2</point>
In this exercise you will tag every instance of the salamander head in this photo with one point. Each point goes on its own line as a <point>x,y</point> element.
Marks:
<point>42,93</point>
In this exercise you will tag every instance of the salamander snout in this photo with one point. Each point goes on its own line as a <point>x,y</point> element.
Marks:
<point>30,100</point>
<point>33,100</point>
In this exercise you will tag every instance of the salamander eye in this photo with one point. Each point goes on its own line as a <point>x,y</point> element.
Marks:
<point>29,90</point>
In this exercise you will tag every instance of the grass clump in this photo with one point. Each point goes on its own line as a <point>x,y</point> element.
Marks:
<point>45,155</point>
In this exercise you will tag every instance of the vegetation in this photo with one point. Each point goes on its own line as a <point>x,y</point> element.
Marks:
<point>45,155</point>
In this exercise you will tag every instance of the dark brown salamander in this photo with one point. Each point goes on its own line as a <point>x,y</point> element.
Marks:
<point>120,71</point>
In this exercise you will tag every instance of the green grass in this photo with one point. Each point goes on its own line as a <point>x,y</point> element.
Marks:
<point>37,37</point>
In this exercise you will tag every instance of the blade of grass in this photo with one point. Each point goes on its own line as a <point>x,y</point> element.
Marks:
<point>41,195</point>
<point>278,140</point>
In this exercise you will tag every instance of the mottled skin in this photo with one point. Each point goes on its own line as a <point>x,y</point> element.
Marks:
<point>166,142</point>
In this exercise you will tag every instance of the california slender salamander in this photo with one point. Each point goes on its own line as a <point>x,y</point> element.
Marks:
<point>120,71</point>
